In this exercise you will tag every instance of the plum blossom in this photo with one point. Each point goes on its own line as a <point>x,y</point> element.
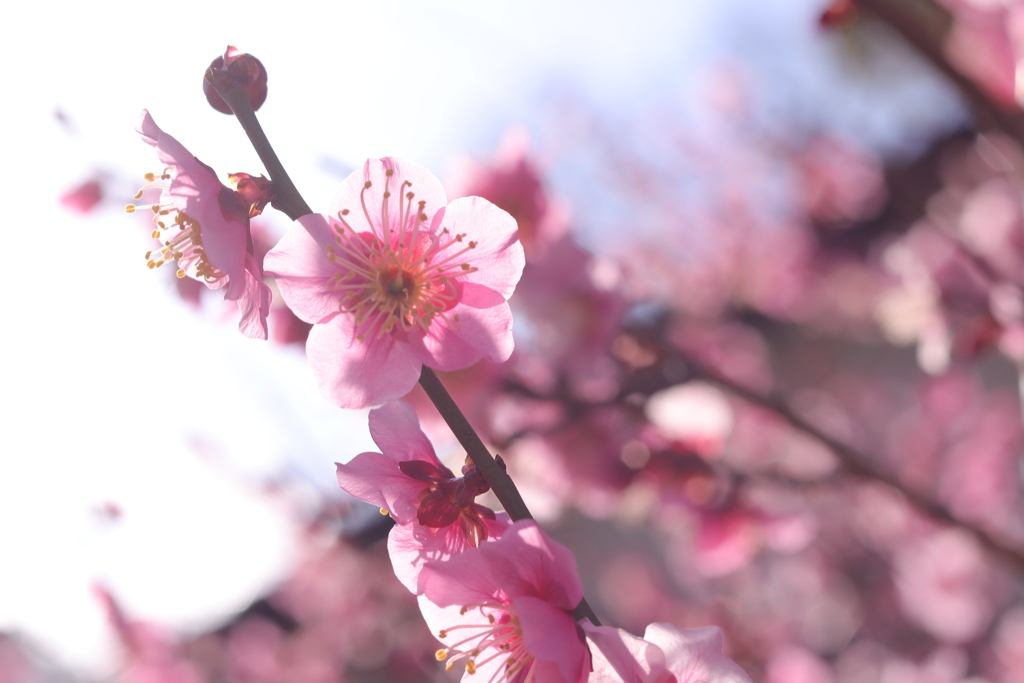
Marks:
<point>435,512</point>
<point>394,277</point>
<point>504,610</point>
<point>204,226</point>
<point>666,654</point>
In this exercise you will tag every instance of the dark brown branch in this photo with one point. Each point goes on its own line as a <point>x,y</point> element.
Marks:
<point>506,491</point>
<point>288,199</point>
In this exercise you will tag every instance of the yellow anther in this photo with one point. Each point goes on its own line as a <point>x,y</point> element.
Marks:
<point>470,667</point>
<point>180,273</point>
<point>155,234</point>
<point>130,208</point>
<point>150,177</point>
<point>384,511</point>
<point>441,654</point>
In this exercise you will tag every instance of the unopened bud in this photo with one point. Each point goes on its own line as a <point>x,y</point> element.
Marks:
<point>236,70</point>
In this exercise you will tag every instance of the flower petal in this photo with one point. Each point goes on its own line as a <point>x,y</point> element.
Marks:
<point>396,431</point>
<point>254,304</point>
<point>526,562</point>
<point>352,196</point>
<point>621,657</point>
<point>478,333</point>
<point>551,636</point>
<point>300,265</point>
<point>498,255</point>
<point>352,374</point>
<point>376,479</point>
<point>695,655</point>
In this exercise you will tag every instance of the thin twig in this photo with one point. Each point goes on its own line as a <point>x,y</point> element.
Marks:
<point>288,199</point>
<point>502,485</point>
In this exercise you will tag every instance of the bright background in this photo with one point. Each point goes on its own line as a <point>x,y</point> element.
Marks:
<point>116,394</point>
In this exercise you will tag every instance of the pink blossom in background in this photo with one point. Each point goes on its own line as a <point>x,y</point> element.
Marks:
<point>393,278</point>
<point>204,226</point>
<point>504,610</point>
<point>666,654</point>
<point>514,183</point>
<point>83,198</point>
<point>150,656</point>
<point>434,510</point>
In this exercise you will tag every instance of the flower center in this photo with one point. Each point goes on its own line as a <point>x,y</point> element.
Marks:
<point>498,630</point>
<point>400,275</point>
<point>180,234</point>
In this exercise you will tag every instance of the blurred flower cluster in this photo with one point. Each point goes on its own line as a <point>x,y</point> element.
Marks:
<point>781,397</point>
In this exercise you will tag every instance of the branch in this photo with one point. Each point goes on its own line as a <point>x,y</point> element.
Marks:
<point>852,461</point>
<point>499,481</point>
<point>288,199</point>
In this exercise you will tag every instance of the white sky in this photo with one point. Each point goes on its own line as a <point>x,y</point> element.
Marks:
<point>108,379</point>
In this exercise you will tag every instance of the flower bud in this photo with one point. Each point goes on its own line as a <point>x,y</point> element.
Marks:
<point>236,70</point>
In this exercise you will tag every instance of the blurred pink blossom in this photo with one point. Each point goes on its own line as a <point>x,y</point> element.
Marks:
<point>83,198</point>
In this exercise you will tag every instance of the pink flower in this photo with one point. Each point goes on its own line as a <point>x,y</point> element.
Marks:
<point>83,198</point>
<point>204,226</point>
<point>394,279</point>
<point>435,511</point>
<point>505,609</point>
<point>666,654</point>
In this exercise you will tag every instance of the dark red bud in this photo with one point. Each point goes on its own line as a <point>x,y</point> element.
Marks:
<point>255,192</point>
<point>421,470</point>
<point>839,14</point>
<point>436,510</point>
<point>236,70</point>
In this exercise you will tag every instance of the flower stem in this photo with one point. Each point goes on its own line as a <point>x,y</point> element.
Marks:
<point>288,199</point>
<point>506,491</point>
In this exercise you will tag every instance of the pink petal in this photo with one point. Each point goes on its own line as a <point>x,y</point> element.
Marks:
<point>412,545</point>
<point>396,431</point>
<point>695,655</point>
<point>526,562</point>
<point>425,187</point>
<point>621,657</point>
<point>196,190</point>
<point>464,579</point>
<point>550,635</point>
<point>354,374</point>
<point>254,304</point>
<point>485,333</point>
<point>301,269</point>
<point>498,255</point>
<point>376,479</point>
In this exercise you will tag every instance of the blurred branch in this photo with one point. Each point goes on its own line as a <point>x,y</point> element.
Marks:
<point>676,365</point>
<point>926,26</point>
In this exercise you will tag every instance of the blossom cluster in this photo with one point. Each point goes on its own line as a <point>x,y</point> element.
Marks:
<point>394,278</point>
